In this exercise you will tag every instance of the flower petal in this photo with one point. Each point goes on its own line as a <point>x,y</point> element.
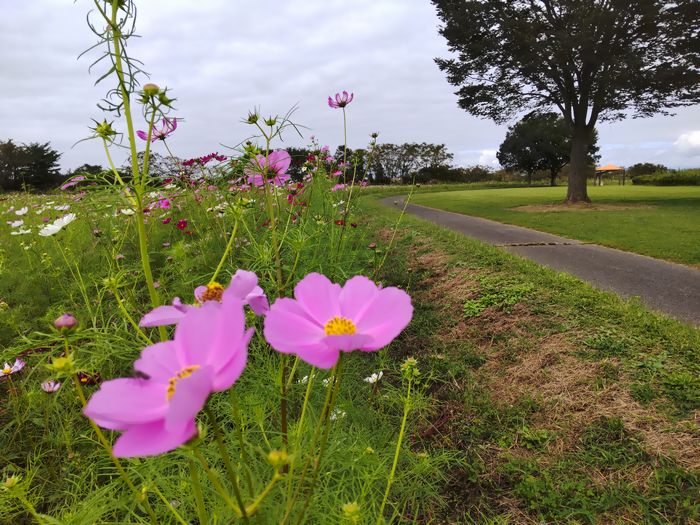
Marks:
<point>288,327</point>
<point>123,402</point>
<point>153,439</point>
<point>191,393</point>
<point>357,295</point>
<point>159,362</point>
<point>164,315</point>
<point>385,318</point>
<point>319,297</point>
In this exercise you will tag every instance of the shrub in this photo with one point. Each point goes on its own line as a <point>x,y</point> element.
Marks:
<point>670,178</point>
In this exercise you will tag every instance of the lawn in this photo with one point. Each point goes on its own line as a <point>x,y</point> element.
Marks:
<point>662,222</point>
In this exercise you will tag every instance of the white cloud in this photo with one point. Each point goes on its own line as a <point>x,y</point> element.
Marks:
<point>295,52</point>
<point>488,158</point>
<point>688,143</point>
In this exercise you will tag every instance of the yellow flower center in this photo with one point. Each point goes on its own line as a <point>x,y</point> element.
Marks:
<point>214,292</point>
<point>340,326</point>
<point>6,371</point>
<point>185,372</point>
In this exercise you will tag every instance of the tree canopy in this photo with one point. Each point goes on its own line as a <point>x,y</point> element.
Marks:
<point>31,165</point>
<point>593,60</point>
<point>540,141</point>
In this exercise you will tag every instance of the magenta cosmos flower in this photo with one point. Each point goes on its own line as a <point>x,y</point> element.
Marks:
<point>157,412</point>
<point>324,318</point>
<point>274,168</point>
<point>340,101</point>
<point>167,128</point>
<point>243,287</point>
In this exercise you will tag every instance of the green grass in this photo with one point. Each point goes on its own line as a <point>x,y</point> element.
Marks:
<point>667,229</point>
<point>472,453</point>
<point>531,457</point>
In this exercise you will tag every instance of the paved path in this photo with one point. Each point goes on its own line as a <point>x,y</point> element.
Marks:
<point>667,287</point>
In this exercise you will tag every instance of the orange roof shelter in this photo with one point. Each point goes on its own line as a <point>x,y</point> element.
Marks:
<point>608,168</point>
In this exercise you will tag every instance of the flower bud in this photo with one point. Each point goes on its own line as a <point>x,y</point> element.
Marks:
<point>104,130</point>
<point>11,482</point>
<point>151,90</point>
<point>409,369</point>
<point>271,121</point>
<point>165,100</point>
<point>351,511</point>
<point>65,323</point>
<point>252,118</point>
<point>278,459</point>
<point>61,365</point>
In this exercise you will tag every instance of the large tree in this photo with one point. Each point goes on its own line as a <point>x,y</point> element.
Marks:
<point>594,60</point>
<point>540,142</point>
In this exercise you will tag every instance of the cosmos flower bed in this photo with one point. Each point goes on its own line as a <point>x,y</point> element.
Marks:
<point>197,329</point>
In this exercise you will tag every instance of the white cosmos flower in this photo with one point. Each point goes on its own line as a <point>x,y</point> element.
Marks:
<point>127,211</point>
<point>65,207</point>
<point>338,414</point>
<point>22,211</point>
<point>374,378</point>
<point>21,232</point>
<point>57,225</point>
<point>15,224</point>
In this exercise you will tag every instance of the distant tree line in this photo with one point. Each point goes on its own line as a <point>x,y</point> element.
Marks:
<point>28,166</point>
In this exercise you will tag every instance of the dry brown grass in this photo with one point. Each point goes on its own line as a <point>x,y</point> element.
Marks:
<point>546,368</point>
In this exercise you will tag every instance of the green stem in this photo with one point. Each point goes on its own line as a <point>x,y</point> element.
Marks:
<point>300,426</point>
<point>169,506</point>
<point>119,70</point>
<point>214,479</point>
<point>198,496</point>
<point>241,441</point>
<point>406,408</point>
<point>324,439</point>
<point>107,446</point>
<point>147,152</point>
<point>325,415</point>
<point>115,172</point>
<point>227,251</point>
<point>130,319</point>
<point>219,438</point>
<point>30,508</point>
<point>146,263</point>
<point>253,507</point>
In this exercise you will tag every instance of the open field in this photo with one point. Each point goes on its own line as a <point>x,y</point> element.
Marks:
<point>662,222</point>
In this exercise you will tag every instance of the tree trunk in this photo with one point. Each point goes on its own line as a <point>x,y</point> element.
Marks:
<point>578,189</point>
<point>529,178</point>
<point>553,177</point>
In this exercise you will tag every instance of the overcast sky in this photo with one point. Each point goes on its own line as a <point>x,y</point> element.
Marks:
<point>223,57</point>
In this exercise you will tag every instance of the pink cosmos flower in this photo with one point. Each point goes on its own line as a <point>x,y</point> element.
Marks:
<point>274,167</point>
<point>74,181</point>
<point>324,319</point>
<point>340,100</point>
<point>50,386</point>
<point>167,128</point>
<point>157,414</point>
<point>338,187</point>
<point>8,369</point>
<point>243,287</point>
<point>181,224</point>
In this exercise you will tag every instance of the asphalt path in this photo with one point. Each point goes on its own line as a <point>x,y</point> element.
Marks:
<point>663,286</point>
